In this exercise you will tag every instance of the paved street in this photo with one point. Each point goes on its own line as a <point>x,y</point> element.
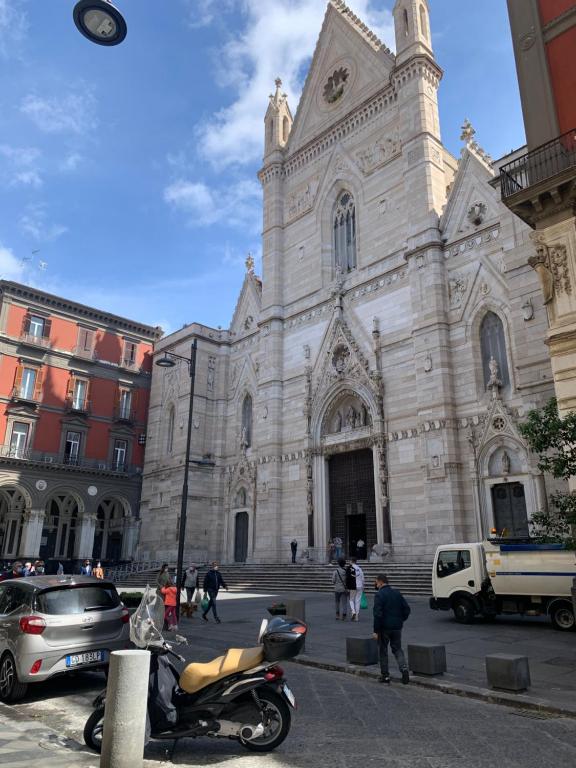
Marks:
<point>342,719</point>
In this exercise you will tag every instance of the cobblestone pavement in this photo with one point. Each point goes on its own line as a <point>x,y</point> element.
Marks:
<point>342,721</point>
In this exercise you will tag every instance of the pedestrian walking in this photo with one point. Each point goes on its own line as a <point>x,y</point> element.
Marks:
<point>98,570</point>
<point>341,596</point>
<point>330,549</point>
<point>170,595</point>
<point>361,549</point>
<point>390,612</point>
<point>60,570</point>
<point>356,591</point>
<point>86,569</point>
<point>190,582</point>
<point>337,541</point>
<point>294,548</point>
<point>213,582</point>
<point>163,579</point>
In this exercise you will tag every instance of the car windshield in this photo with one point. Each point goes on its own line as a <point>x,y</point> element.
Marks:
<point>71,600</point>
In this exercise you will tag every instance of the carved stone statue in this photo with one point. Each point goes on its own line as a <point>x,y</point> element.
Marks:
<point>338,422</point>
<point>243,438</point>
<point>505,463</point>
<point>351,418</point>
<point>494,383</point>
<point>541,264</point>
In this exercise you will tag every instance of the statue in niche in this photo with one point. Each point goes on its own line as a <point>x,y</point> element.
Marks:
<point>494,381</point>
<point>244,438</point>
<point>351,418</point>
<point>338,422</point>
<point>362,417</point>
<point>505,463</point>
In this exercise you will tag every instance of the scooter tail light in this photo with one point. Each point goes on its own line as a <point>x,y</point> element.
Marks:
<point>275,673</point>
<point>32,625</point>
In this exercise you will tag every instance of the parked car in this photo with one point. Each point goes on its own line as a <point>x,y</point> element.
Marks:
<point>50,625</point>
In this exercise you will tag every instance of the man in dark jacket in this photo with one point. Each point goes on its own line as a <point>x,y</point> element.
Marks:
<point>212,583</point>
<point>390,612</point>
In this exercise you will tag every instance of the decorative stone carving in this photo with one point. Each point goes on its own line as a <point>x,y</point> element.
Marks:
<point>476,213</point>
<point>250,264</point>
<point>494,383</point>
<point>457,287</point>
<point>428,362</point>
<point>559,268</point>
<point>306,350</point>
<point>211,373</point>
<point>302,199</point>
<point>528,310</point>
<point>335,85</point>
<point>378,153</point>
<point>551,265</point>
<point>248,323</point>
<point>505,463</point>
<point>498,424</point>
<point>340,359</point>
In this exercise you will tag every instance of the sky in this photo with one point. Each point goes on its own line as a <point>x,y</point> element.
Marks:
<point>128,173</point>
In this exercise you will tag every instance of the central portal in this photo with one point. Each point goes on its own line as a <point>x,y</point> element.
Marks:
<point>353,501</point>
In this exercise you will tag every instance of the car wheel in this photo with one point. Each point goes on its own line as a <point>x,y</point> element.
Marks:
<point>11,689</point>
<point>464,611</point>
<point>563,618</point>
<point>94,729</point>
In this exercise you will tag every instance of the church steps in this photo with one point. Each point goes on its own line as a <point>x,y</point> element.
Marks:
<point>413,579</point>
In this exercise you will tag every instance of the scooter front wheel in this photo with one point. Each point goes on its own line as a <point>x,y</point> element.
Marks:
<point>94,729</point>
<point>277,725</point>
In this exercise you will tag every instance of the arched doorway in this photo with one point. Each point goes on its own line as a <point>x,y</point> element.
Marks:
<point>12,508</point>
<point>353,501</point>
<point>109,532</point>
<point>241,537</point>
<point>58,540</point>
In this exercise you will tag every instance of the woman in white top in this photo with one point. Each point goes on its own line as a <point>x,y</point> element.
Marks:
<point>356,594</point>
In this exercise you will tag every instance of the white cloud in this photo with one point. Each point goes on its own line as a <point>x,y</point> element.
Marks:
<point>237,205</point>
<point>72,113</point>
<point>35,223</point>
<point>27,179</point>
<point>71,162</point>
<point>13,27</point>
<point>21,166</point>
<point>278,38</point>
<point>201,13</point>
<point>11,268</point>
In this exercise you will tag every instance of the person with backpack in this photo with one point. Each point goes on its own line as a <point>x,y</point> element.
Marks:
<point>356,582</point>
<point>390,612</point>
<point>340,590</point>
<point>213,581</point>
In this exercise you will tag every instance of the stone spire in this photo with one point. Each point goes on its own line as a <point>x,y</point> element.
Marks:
<point>412,29</point>
<point>467,136</point>
<point>278,120</point>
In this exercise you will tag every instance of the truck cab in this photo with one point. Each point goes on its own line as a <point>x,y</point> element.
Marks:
<point>458,574</point>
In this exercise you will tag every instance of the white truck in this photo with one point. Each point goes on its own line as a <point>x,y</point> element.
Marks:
<point>498,577</point>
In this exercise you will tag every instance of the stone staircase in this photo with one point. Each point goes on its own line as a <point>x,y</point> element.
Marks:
<point>410,578</point>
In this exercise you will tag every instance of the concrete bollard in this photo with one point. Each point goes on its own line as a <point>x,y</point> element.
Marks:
<point>508,672</point>
<point>125,713</point>
<point>427,658</point>
<point>361,650</point>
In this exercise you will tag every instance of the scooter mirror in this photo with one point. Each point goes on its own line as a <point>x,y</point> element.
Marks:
<point>263,628</point>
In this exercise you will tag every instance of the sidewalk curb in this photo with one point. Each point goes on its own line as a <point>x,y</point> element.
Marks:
<point>460,689</point>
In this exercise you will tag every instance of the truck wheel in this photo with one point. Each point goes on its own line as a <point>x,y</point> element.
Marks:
<point>464,611</point>
<point>562,617</point>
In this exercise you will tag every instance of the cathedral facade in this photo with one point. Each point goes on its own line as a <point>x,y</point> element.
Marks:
<point>371,382</point>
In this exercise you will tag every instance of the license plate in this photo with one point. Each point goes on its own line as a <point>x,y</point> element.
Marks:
<point>90,657</point>
<point>289,695</point>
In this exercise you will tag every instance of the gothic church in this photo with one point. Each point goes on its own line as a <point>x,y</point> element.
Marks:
<point>371,382</point>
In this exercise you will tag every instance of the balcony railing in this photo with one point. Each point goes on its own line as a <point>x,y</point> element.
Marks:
<point>124,414</point>
<point>76,405</point>
<point>127,363</point>
<point>40,341</point>
<point>20,393</point>
<point>542,163</point>
<point>59,459</point>
<point>80,351</point>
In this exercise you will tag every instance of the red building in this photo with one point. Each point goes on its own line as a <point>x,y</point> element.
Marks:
<point>74,388</point>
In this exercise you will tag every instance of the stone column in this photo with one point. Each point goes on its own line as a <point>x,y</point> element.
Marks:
<point>31,534</point>
<point>85,536</point>
<point>130,538</point>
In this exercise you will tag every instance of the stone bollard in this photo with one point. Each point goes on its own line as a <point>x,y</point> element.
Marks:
<point>361,650</point>
<point>508,672</point>
<point>125,713</point>
<point>427,658</point>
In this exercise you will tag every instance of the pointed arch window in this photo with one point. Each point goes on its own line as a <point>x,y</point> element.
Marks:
<point>493,345</point>
<point>285,129</point>
<point>345,233</point>
<point>405,20</point>
<point>271,130</point>
<point>247,421</point>
<point>170,430</point>
<point>423,22</point>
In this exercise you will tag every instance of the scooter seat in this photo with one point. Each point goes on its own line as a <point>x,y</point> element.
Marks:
<point>198,676</point>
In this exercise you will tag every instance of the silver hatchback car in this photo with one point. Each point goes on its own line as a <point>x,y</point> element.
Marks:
<point>51,625</point>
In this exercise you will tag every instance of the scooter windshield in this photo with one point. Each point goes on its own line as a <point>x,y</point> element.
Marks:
<point>146,622</point>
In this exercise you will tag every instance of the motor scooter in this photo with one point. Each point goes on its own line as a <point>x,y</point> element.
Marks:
<point>242,695</point>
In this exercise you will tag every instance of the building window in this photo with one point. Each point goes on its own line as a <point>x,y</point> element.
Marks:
<point>19,439</point>
<point>85,341</point>
<point>285,130</point>
<point>125,404</point>
<point>405,20</point>
<point>423,22</point>
<point>72,447</point>
<point>247,422</point>
<point>27,383</point>
<point>119,455</point>
<point>493,345</point>
<point>345,233</point>
<point>36,326</point>
<point>170,431</point>
<point>80,395</point>
<point>271,130</point>
<point>130,349</point>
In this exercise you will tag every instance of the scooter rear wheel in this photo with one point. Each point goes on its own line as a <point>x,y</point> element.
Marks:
<point>280,719</point>
<point>94,729</point>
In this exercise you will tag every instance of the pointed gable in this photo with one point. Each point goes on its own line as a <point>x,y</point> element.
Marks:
<point>349,65</point>
<point>248,306</point>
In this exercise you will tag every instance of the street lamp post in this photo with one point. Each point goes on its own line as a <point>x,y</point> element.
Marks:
<point>168,362</point>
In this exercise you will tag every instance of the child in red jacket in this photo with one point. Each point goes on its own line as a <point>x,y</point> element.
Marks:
<point>170,593</point>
